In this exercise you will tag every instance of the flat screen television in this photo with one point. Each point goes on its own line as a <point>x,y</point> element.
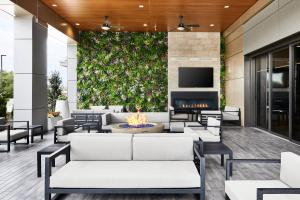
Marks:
<point>190,77</point>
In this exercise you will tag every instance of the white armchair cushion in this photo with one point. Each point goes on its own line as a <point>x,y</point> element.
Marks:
<point>101,146</point>
<point>14,134</point>
<point>126,174</point>
<point>204,135</point>
<point>233,110</point>
<point>230,116</point>
<point>213,122</point>
<point>163,148</point>
<point>247,190</point>
<point>289,169</point>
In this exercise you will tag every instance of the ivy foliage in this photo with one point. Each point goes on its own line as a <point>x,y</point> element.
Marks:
<point>126,69</point>
<point>222,73</point>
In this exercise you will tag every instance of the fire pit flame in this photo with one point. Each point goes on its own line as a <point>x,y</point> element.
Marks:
<point>137,119</point>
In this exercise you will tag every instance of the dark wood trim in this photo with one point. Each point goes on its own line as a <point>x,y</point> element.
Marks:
<point>46,15</point>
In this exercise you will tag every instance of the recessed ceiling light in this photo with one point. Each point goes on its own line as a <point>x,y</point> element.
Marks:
<point>226,6</point>
<point>212,25</point>
<point>141,6</point>
<point>145,25</point>
<point>54,5</point>
<point>77,24</point>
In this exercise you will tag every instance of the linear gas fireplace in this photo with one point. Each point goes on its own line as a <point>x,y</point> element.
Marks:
<point>195,100</point>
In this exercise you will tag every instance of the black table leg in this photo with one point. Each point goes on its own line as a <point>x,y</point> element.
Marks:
<point>32,135</point>
<point>231,167</point>
<point>39,164</point>
<point>42,132</point>
<point>222,159</point>
<point>53,163</point>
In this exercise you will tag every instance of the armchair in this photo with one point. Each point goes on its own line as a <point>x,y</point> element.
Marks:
<point>8,134</point>
<point>286,188</point>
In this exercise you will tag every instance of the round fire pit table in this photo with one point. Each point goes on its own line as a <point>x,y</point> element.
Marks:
<point>146,128</point>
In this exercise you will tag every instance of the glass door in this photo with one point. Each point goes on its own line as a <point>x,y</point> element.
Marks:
<point>296,94</point>
<point>280,92</point>
<point>262,91</point>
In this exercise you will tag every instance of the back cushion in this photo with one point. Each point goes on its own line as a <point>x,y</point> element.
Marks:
<point>69,125</point>
<point>158,117</point>
<point>119,117</point>
<point>2,122</point>
<point>163,148</point>
<point>213,122</point>
<point>289,169</point>
<point>104,147</point>
<point>229,108</point>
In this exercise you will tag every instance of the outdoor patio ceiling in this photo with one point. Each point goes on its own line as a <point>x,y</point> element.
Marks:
<point>150,15</point>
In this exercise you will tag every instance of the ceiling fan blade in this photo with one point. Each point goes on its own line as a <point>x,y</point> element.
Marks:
<point>193,25</point>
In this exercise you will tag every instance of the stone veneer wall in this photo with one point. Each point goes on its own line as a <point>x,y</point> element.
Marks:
<point>193,49</point>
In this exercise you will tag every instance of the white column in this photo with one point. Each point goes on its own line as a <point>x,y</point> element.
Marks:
<point>30,80</point>
<point>72,76</point>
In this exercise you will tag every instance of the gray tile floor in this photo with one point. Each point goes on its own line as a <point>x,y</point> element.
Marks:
<point>18,179</point>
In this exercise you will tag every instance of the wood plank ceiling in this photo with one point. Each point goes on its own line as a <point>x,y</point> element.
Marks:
<point>151,15</point>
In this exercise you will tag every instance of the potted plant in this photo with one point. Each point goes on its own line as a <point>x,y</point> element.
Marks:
<point>62,106</point>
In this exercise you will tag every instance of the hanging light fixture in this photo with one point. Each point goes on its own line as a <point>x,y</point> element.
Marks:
<point>106,26</point>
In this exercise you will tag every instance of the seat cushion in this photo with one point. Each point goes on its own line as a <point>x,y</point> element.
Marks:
<point>229,116</point>
<point>289,169</point>
<point>211,122</point>
<point>164,147</point>
<point>177,127</point>
<point>180,116</point>
<point>199,133</point>
<point>191,124</point>
<point>126,174</point>
<point>232,110</point>
<point>14,134</point>
<point>97,146</point>
<point>63,138</point>
<point>246,190</point>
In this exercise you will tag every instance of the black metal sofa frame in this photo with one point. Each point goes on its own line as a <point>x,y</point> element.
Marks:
<point>199,192</point>
<point>260,191</point>
<point>8,141</point>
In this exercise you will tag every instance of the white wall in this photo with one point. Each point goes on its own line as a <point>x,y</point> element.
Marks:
<point>278,20</point>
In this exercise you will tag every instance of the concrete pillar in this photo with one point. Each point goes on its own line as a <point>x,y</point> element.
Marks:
<point>30,83</point>
<point>72,76</point>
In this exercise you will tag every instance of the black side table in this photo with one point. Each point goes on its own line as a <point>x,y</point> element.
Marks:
<point>47,151</point>
<point>33,129</point>
<point>218,148</point>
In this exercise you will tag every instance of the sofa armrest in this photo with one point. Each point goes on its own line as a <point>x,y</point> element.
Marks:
<point>26,122</point>
<point>199,154</point>
<point>261,191</point>
<point>49,159</point>
<point>64,128</point>
<point>229,162</point>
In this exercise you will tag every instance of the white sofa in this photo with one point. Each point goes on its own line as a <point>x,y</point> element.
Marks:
<point>210,133</point>
<point>286,188</point>
<point>110,119</point>
<point>126,163</point>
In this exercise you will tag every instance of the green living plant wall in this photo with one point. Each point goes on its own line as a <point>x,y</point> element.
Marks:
<point>123,69</point>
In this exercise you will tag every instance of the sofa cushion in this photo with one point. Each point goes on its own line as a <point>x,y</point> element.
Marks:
<point>14,134</point>
<point>201,133</point>
<point>2,122</point>
<point>165,147</point>
<point>177,126</point>
<point>68,123</point>
<point>247,190</point>
<point>157,117</point>
<point>229,116</point>
<point>101,146</point>
<point>289,169</point>
<point>232,110</point>
<point>213,122</point>
<point>126,174</point>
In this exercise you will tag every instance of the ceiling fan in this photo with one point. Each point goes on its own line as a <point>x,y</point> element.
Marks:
<point>106,26</point>
<point>185,27</point>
